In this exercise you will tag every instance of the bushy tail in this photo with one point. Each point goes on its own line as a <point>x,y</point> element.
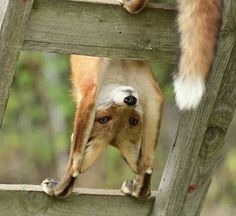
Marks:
<point>198,24</point>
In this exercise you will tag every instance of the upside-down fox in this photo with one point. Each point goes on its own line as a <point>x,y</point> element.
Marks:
<point>119,103</point>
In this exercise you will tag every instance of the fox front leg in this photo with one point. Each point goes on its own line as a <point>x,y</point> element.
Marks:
<point>140,187</point>
<point>83,124</point>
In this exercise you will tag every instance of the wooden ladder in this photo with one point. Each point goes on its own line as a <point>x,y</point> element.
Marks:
<point>103,28</point>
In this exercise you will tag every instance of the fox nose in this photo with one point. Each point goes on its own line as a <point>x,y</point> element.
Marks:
<point>130,100</point>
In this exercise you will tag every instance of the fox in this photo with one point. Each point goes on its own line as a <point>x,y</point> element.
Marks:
<point>118,103</point>
<point>198,23</point>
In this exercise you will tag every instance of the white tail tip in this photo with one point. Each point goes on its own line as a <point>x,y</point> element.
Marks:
<point>188,91</point>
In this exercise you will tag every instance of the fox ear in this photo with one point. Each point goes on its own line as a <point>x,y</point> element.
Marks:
<point>84,119</point>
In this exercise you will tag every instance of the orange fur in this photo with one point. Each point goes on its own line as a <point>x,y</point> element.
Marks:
<point>198,23</point>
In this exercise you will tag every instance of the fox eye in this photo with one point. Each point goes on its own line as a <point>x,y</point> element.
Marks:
<point>103,120</point>
<point>133,121</point>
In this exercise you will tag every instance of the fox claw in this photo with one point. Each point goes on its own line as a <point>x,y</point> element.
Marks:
<point>48,185</point>
<point>130,188</point>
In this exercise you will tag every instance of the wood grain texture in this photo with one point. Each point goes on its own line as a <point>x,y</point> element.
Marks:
<point>27,200</point>
<point>102,30</point>
<point>200,136</point>
<point>13,17</point>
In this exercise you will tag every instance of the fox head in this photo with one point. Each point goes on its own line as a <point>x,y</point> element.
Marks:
<point>118,115</point>
<point>118,122</point>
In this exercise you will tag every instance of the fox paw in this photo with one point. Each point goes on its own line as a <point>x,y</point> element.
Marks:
<point>130,188</point>
<point>48,185</point>
<point>133,6</point>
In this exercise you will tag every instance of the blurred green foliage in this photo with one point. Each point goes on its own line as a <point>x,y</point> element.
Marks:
<point>39,96</point>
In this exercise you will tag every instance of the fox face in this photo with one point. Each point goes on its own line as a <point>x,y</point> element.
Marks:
<point>118,122</point>
<point>118,114</point>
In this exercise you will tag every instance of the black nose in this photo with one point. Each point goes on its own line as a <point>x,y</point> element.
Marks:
<point>130,100</point>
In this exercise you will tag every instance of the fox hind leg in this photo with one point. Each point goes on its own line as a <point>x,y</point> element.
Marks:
<point>133,6</point>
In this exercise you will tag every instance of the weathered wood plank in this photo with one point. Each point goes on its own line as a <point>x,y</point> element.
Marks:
<point>13,17</point>
<point>210,154</point>
<point>106,29</point>
<point>23,200</point>
<point>200,136</point>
